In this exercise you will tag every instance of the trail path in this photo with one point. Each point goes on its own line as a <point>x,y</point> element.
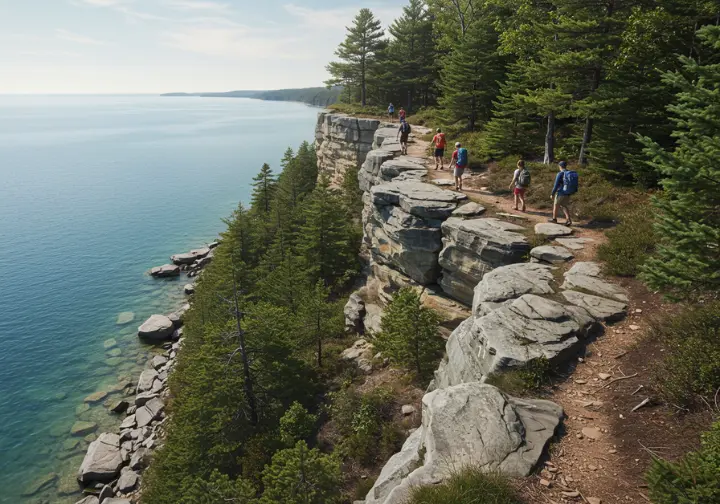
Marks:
<point>605,449</point>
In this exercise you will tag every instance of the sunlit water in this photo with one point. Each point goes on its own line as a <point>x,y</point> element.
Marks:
<point>93,192</point>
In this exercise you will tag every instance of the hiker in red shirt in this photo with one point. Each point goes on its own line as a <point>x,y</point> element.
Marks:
<point>401,114</point>
<point>439,141</point>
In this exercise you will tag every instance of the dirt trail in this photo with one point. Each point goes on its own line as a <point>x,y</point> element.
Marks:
<point>605,448</point>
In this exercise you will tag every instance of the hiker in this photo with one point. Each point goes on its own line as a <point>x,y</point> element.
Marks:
<point>460,160</point>
<point>391,112</point>
<point>403,133</point>
<point>566,184</point>
<point>439,141</point>
<point>401,114</point>
<point>520,182</point>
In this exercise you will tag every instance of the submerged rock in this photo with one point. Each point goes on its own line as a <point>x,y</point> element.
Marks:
<point>81,428</point>
<point>125,318</point>
<point>41,483</point>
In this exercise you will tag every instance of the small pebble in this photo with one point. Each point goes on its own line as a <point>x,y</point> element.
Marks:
<point>544,482</point>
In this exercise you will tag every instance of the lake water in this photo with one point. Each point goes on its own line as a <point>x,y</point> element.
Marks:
<point>93,192</point>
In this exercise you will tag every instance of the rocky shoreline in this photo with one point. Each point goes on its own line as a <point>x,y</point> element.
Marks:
<point>111,470</point>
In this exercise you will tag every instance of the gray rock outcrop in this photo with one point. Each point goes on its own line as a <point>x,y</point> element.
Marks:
<point>551,254</point>
<point>90,499</point>
<point>508,283</point>
<point>102,461</point>
<point>468,425</point>
<point>189,257</point>
<point>342,142</point>
<point>551,229</point>
<point>601,308</point>
<point>472,248</point>
<point>157,327</point>
<point>166,270</point>
<point>586,276</point>
<point>361,353</point>
<point>354,313</point>
<point>469,209</point>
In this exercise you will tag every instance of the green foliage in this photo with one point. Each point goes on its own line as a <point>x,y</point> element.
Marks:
<point>218,488</point>
<point>409,333</point>
<point>300,475</point>
<point>263,189</point>
<point>319,318</point>
<point>688,223</point>
<point>693,479</point>
<point>630,243</point>
<point>468,486</point>
<point>528,379</point>
<point>357,54</point>
<point>296,424</point>
<point>690,369</point>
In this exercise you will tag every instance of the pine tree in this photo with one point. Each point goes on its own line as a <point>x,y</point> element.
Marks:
<point>688,256</point>
<point>469,79</point>
<point>263,189</point>
<point>319,318</point>
<point>218,488</point>
<point>325,236</point>
<point>296,424</point>
<point>300,475</point>
<point>409,333</point>
<point>357,53</point>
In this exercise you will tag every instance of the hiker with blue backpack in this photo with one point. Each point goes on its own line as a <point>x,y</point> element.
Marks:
<point>460,160</point>
<point>403,133</point>
<point>566,184</point>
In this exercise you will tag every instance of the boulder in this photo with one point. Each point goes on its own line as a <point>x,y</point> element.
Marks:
<point>471,424</point>
<point>511,336</point>
<point>603,309</point>
<point>510,282</point>
<point>361,353</point>
<point>159,361</point>
<point>105,494</point>
<point>157,327</point>
<point>143,398</point>
<point>574,243</point>
<point>551,229</point>
<point>189,289</point>
<point>145,382</point>
<point>166,270</point>
<point>128,481</point>
<point>354,313</point>
<point>90,499</point>
<point>128,423</point>
<point>102,461</point>
<point>474,247</point>
<point>586,276</point>
<point>149,412</point>
<point>119,406</point>
<point>470,209</point>
<point>116,500</point>
<point>551,254</point>
<point>81,428</point>
<point>189,257</point>
<point>138,459</point>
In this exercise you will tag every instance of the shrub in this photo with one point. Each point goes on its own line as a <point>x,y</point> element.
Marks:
<point>359,110</point>
<point>296,424</point>
<point>630,243</point>
<point>693,480</point>
<point>468,486</point>
<point>691,366</point>
<point>529,378</point>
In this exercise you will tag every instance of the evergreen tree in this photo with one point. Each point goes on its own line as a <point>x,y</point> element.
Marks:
<point>296,424</point>
<point>325,236</point>
<point>469,79</point>
<point>300,475</point>
<point>319,317</point>
<point>218,488</point>
<point>263,189</point>
<point>357,53</point>
<point>409,333</point>
<point>689,224</point>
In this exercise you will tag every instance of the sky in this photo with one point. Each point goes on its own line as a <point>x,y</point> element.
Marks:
<point>158,46</point>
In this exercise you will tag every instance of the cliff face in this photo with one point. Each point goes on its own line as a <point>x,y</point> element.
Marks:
<point>419,235</point>
<point>342,142</point>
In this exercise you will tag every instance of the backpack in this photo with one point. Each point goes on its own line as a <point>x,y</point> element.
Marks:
<point>462,158</point>
<point>570,182</point>
<point>405,128</point>
<point>523,179</point>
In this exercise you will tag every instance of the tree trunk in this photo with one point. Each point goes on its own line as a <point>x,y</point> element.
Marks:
<point>587,136</point>
<point>550,139</point>
<point>363,91</point>
<point>319,342</point>
<point>409,101</point>
<point>247,376</point>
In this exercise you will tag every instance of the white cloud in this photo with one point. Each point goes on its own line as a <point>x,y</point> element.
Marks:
<point>104,3</point>
<point>198,5</point>
<point>338,19</point>
<point>77,38</point>
<point>49,53</point>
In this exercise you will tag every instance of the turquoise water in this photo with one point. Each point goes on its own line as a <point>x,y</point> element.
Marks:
<point>93,192</point>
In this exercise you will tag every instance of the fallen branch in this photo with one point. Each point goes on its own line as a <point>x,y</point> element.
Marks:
<point>642,403</point>
<point>620,355</point>
<point>618,379</point>
<point>640,387</point>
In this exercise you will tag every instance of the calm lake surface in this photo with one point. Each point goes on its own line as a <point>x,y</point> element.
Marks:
<point>95,190</point>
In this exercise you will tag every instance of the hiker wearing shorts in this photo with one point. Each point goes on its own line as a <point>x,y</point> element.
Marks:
<point>439,141</point>
<point>566,184</point>
<point>460,161</point>
<point>520,183</point>
<point>404,134</point>
<point>391,112</point>
<point>401,114</point>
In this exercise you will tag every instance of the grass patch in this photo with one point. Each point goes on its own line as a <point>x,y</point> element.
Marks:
<point>630,243</point>
<point>689,374</point>
<point>468,486</point>
<point>529,379</point>
<point>358,110</point>
<point>693,480</point>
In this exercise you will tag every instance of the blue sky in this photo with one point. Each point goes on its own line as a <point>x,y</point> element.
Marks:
<point>154,46</point>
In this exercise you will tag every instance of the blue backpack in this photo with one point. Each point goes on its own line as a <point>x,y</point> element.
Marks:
<point>570,182</point>
<point>462,159</point>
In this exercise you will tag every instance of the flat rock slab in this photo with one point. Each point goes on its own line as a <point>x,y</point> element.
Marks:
<point>574,243</point>
<point>125,318</point>
<point>585,276</point>
<point>511,282</point>
<point>551,229</point>
<point>417,198</point>
<point>470,209</point>
<point>599,307</point>
<point>512,216</point>
<point>552,254</point>
<point>444,182</point>
<point>157,327</point>
<point>81,428</point>
<point>102,461</point>
<point>166,270</point>
<point>90,499</point>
